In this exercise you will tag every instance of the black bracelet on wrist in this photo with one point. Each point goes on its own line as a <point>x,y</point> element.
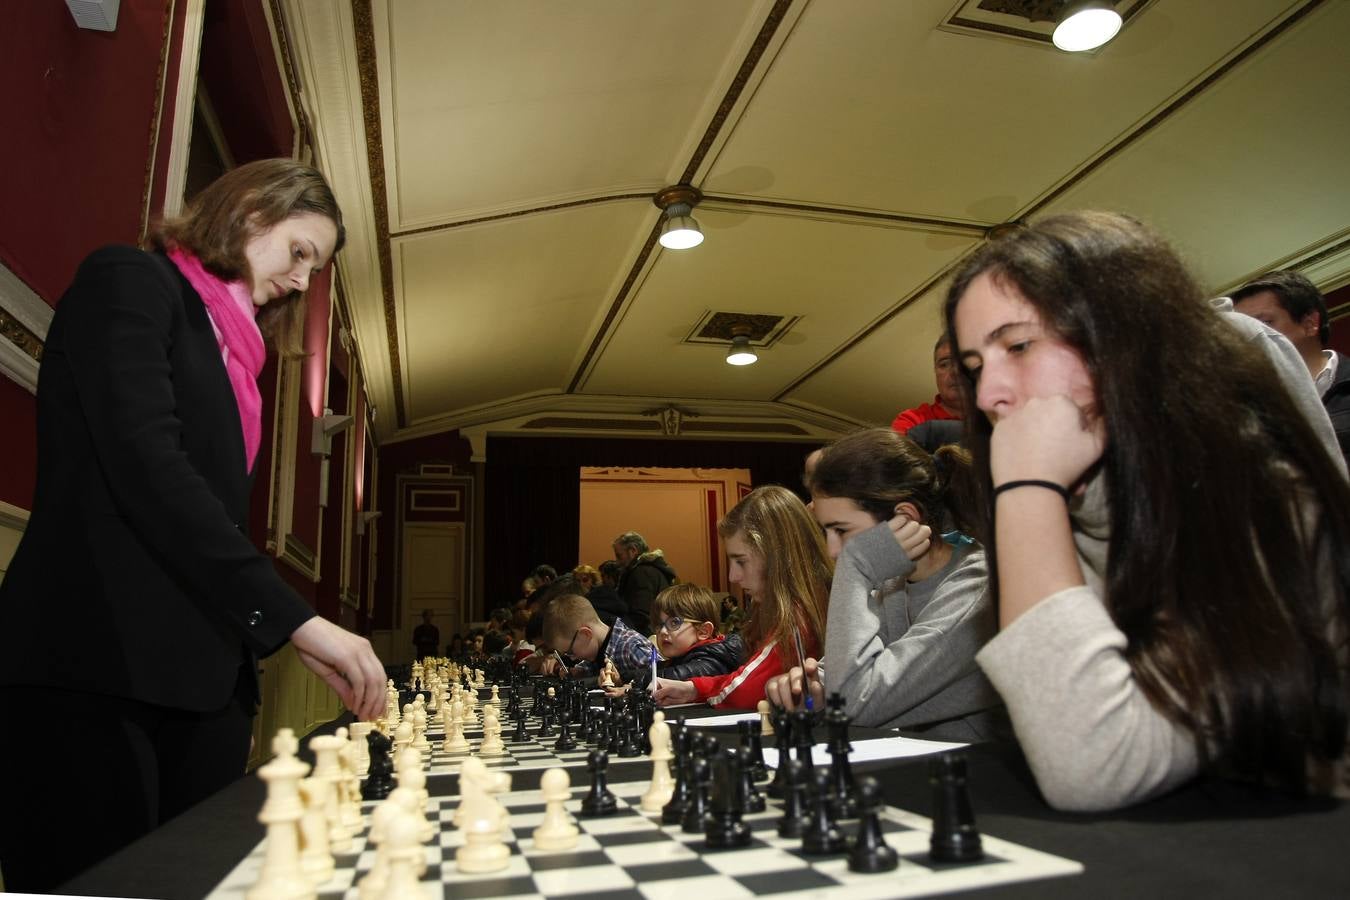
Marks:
<point>1033,482</point>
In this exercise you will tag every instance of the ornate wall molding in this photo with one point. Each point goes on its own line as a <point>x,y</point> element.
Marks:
<point>24,318</point>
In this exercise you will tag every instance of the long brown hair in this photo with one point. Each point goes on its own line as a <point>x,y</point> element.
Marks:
<point>1212,473</point>
<point>877,468</point>
<point>218,223</point>
<point>797,570</point>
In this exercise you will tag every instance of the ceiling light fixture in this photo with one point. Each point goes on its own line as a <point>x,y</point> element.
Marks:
<point>680,229</point>
<point>740,353</point>
<point>1086,26</point>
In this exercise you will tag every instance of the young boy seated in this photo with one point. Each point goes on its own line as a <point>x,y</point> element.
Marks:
<point>573,628</point>
<point>689,636</point>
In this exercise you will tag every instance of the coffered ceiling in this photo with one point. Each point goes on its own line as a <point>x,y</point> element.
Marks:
<point>497,161</point>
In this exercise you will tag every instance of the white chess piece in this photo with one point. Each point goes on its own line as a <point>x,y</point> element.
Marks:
<point>349,785</point>
<point>483,850</point>
<point>663,786</point>
<point>358,732</point>
<point>492,744</point>
<point>455,741</point>
<point>765,720</point>
<point>403,849</point>
<point>391,703</point>
<point>281,877</point>
<point>328,771</point>
<point>556,831</point>
<point>420,730</point>
<point>316,857</point>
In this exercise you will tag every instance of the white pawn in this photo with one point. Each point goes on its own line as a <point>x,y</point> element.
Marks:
<point>483,850</point>
<point>360,748</point>
<point>403,849</point>
<point>494,699</point>
<point>328,771</point>
<point>391,703</point>
<point>415,781</point>
<point>663,786</point>
<point>281,877</point>
<point>349,786</point>
<point>492,744</point>
<point>420,741</point>
<point>455,742</point>
<point>556,831</point>
<point>403,735</point>
<point>765,720</point>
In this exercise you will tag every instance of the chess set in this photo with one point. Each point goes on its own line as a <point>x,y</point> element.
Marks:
<point>708,818</point>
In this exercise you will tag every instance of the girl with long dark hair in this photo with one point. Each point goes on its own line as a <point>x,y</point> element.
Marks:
<point>1167,523</point>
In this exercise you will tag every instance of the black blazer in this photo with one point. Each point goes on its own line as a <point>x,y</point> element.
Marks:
<point>135,577</point>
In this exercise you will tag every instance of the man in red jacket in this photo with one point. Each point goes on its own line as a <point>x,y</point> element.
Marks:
<point>947,404</point>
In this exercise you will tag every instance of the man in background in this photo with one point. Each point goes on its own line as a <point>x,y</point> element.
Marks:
<point>1292,305</point>
<point>645,574</point>
<point>426,638</point>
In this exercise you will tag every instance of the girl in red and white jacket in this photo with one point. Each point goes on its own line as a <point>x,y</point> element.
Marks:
<point>777,555</point>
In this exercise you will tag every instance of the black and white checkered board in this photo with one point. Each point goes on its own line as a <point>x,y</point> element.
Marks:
<point>631,855</point>
<point>537,753</point>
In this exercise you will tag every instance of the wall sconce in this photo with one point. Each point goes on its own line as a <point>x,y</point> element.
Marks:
<point>740,353</point>
<point>365,518</point>
<point>325,426</point>
<point>680,230</point>
<point>1086,26</point>
<point>321,443</point>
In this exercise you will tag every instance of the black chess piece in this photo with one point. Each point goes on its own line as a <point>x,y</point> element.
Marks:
<point>723,828</point>
<point>600,731</point>
<point>599,801</point>
<point>955,838</point>
<point>750,740</point>
<point>673,812</point>
<point>793,821</point>
<point>565,740</point>
<point>869,851</point>
<point>821,836</point>
<point>843,792</point>
<point>584,731</point>
<point>617,729</point>
<point>546,718</point>
<point>749,798</point>
<point>803,741</point>
<point>379,782</point>
<point>782,736</point>
<point>696,811</point>
<point>521,736</point>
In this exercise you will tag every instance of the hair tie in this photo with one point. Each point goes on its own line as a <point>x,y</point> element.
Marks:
<point>1034,482</point>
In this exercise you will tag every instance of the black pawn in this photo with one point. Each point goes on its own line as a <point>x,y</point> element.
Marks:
<point>584,732</point>
<point>673,812</point>
<point>380,780</point>
<point>843,799</point>
<point>803,742</point>
<point>793,821</point>
<point>629,745</point>
<point>521,736</point>
<point>696,812</point>
<point>782,736</point>
<point>821,836</point>
<point>546,719</point>
<point>565,740</point>
<point>750,741</point>
<point>870,852</point>
<point>955,838</point>
<point>599,801</point>
<point>748,796</point>
<point>723,828</point>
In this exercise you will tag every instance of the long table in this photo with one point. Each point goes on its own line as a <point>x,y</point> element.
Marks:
<point>1208,839</point>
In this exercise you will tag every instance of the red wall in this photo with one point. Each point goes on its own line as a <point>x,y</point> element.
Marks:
<point>78,113</point>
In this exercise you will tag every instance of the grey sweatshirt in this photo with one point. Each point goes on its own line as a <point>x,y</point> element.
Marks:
<point>905,657</point>
<point>1091,737</point>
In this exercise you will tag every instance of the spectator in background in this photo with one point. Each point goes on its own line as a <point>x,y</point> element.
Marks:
<point>603,596</point>
<point>426,637</point>
<point>1292,305</point>
<point>947,405</point>
<point>543,576</point>
<point>455,649</point>
<point>645,574</point>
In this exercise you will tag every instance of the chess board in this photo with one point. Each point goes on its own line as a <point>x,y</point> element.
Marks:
<point>536,753</point>
<point>631,855</point>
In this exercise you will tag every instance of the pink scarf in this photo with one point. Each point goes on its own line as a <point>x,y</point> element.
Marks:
<point>230,306</point>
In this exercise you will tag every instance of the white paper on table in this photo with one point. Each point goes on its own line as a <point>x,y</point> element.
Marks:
<point>718,720</point>
<point>877,748</point>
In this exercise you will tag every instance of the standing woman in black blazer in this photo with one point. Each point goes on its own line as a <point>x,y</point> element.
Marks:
<point>135,608</point>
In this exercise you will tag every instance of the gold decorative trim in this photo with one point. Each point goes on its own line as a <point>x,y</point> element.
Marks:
<point>534,210</point>
<point>14,331</point>
<point>363,25</point>
<point>738,83</point>
<point>300,557</point>
<point>948,225</point>
<point>148,184</point>
<point>300,119</point>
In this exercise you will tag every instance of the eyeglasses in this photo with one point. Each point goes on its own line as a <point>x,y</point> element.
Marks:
<point>674,624</point>
<point>572,642</point>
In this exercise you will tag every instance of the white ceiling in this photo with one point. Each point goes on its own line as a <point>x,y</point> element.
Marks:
<point>496,163</point>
